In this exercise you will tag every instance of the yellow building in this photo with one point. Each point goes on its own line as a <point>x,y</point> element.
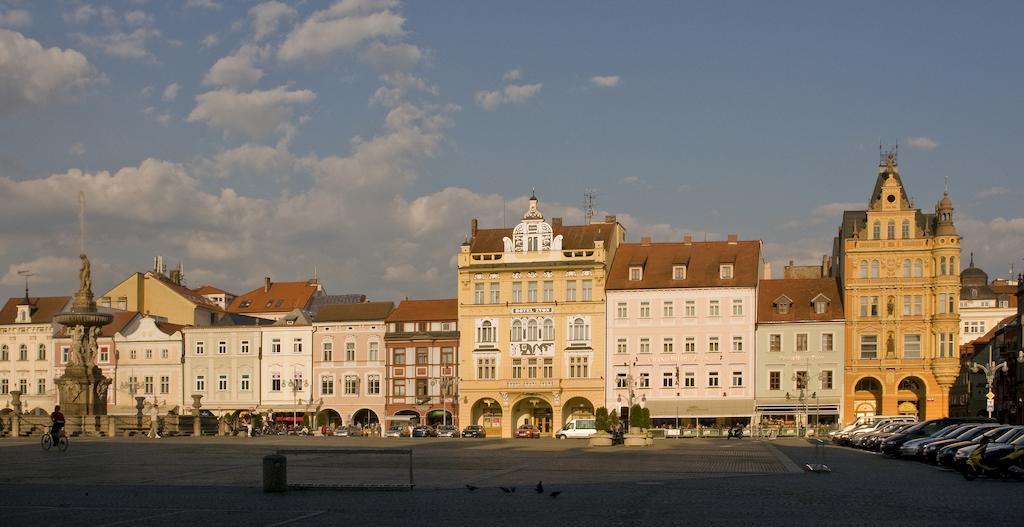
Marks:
<point>899,269</point>
<point>156,295</point>
<point>531,315</point>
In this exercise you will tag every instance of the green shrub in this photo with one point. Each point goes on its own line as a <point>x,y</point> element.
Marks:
<point>645,418</point>
<point>601,419</point>
<point>613,419</point>
<point>636,416</point>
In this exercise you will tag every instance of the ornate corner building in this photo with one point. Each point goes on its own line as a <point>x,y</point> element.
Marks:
<point>532,322</point>
<point>899,271</point>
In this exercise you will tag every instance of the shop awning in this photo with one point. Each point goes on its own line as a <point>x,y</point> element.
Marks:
<point>701,408</point>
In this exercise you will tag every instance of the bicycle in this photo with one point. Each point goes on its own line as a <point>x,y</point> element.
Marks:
<point>62,441</point>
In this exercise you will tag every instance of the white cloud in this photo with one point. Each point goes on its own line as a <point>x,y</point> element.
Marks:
<point>171,92</point>
<point>923,143</point>
<point>138,18</point>
<point>35,75</point>
<point>267,16</point>
<point>15,18</point>
<point>996,243</point>
<point>203,4</point>
<point>390,57</point>
<point>511,94</point>
<point>341,28</point>
<point>606,81</point>
<point>122,45</point>
<point>992,192</point>
<point>256,114</point>
<point>209,41</point>
<point>164,119</point>
<point>512,75</point>
<point>396,86</point>
<point>825,213</point>
<point>45,270</point>
<point>235,70</point>
<point>76,149</point>
<point>86,13</point>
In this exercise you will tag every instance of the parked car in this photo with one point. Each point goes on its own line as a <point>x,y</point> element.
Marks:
<point>577,428</point>
<point>397,431</point>
<point>873,441</point>
<point>423,431</point>
<point>930,450</point>
<point>992,451</point>
<point>474,431</point>
<point>527,431</point>
<point>447,431</point>
<point>915,449</point>
<point>891,445</point>
<point>348,431</point>
<point>950,455</point>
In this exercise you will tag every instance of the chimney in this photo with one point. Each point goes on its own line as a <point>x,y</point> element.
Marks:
<point>610,218</point>
<point>687,239</point>
<point>733,239</point>
<point>767,273</point>
<point>645,240</point>
<point>175,276</point>
<point>472,227</point>
<point>266,284</point>
<point>556,223</point>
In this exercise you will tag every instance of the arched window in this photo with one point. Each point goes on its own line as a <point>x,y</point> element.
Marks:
<point>579,329</point>
<point>42,352</point>
<point>485,333</point>
<point>517,331</point>
<point>876,230</point>
<point>863,268</point>
<point>890,230</point>
<point>23,352</point>
<point>4,353</point>
<point>874,269</point>
<point>906,229</point>
<point>952,266</point>
<point>549,329</point>
<point>942,266</point>
<point>918,268</point>
<point>531,331</point>
<point>906,268</point>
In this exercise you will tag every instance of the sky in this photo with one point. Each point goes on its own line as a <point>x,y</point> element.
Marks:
<point>355,139</point>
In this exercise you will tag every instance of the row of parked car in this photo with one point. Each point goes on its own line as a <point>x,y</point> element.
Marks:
<point>971,445</point>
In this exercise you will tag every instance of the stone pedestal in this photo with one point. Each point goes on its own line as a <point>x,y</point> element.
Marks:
<point>83,391</point>
<point>600,439</point>
<point>197,422</point>
<point>16,414</point>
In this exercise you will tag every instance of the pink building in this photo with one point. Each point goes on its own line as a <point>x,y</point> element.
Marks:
<point>680,320</point>
<point>348,362</point>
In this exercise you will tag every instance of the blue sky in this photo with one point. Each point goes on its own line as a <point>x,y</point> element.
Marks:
<point>247,139</point>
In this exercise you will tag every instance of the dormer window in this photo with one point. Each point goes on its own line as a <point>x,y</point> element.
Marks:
<point>636,273</point>
<point>245,303</point>
<point>820,303</point>
<point>782,304</point>
<point>679,272</point>
<point>24,314</point>
<point>725,271</point>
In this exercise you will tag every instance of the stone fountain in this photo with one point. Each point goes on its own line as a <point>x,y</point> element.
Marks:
<point>83,388</point>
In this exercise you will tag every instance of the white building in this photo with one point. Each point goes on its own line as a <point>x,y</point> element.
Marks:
<point>680,338</point>
<point>799,351</point>
<point>222,363</point>
<point>150,362</point>
<point>982,305</point>
<point>27,351</point>
<point>287,367</point>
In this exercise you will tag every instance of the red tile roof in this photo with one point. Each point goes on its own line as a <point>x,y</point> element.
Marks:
<point>210,290</point>
<point>168,328</point>
<point>702,260</point>
<point>801,292</point>
<point>573,237</point>
<point>426,311</point>
<point>281,297</point>
<point>354,312</point>
<point>43,308</point>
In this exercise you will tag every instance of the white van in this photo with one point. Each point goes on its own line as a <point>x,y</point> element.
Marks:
<point>577,428</point>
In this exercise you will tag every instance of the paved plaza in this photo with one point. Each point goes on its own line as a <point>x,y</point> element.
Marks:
<point>176,481</point>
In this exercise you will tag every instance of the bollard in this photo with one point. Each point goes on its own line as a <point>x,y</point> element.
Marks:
<point>275,473</point>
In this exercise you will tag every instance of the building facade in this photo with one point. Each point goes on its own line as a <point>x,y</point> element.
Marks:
<point>276,299</point>
<point>981,306</point>
<point>27,351</point>
<point>348,362</point>
<point>222,364</point>
<point>531,321</point>
<point>422,342</point>
<point>286,366</point>
<point>153,293</point>
<point>799,351</point>
<point>899,269</point>
<point>149,359</point>
<point>680,320</point>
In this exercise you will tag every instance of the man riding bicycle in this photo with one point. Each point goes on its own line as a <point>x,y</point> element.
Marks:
<point>58,424</point>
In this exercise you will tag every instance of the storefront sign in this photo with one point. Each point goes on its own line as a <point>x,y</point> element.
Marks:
<point>543,349</point>
<point>531,310</point>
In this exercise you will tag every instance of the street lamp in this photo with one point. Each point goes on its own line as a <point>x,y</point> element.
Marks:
<point>297,384</point>
<point>445,385</point>
<point>990,370</point>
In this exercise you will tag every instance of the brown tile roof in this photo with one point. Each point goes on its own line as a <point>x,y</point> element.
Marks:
<point>282,297</point>
<point>980,342</point>
<point>43,308</point>
<point>168,328</point>
<point>210,290</point>
<point>1005,289</point>
<point>120,321</point>
<point>702,261</point>
<point>425,310</point>
<point>573,237</point>
<point>354,312</point>
<point>801,292</point>
<point>186,293</point>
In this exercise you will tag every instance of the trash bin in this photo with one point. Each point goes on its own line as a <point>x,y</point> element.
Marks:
<point>275,473</point>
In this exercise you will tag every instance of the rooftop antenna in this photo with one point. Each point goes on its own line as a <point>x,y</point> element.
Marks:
<point>589,203</point>
<point>27,273</point>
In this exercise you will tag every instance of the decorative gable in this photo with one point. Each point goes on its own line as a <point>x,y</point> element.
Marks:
<point>533,234</point>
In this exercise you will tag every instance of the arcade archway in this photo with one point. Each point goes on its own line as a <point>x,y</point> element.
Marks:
<point>912,397</point>
<point>535,410</point>
<point>867,397</point>
<point>487,413</point>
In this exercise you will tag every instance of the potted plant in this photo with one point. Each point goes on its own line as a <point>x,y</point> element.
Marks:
<point>601,422</point>
<point>645,423</point>
<point>636,436</point>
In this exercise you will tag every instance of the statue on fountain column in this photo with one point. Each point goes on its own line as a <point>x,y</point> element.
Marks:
<point>85,274</point>
<point>75,355</point>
